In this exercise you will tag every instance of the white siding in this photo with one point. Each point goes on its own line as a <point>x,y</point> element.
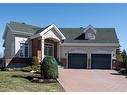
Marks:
<point>52,34</point>
<point>89,31</point>
<point>88,50</point>
<point>9,44</point>
<point>19,40</point>
<point>82,49</point>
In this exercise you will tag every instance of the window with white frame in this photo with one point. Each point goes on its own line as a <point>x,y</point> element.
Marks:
<point>91,36</point>
<point>23,50</point>
<point>49,49</point>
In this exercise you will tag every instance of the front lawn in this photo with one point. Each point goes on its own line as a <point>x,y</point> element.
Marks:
<point>9,83</point>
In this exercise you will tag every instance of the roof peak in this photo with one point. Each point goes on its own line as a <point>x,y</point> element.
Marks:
<point>90,27</point>
<point>23,23</point>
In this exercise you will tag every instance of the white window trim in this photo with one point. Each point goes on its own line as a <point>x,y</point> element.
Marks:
<point>91,36</point>
<point>52,46</point>
<point>24,51</point>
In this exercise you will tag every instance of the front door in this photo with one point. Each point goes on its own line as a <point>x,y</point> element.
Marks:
<point>49,49</point>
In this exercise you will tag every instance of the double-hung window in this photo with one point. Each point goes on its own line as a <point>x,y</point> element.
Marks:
<point>23,50</point>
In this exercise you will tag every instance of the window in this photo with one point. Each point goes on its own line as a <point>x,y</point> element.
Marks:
<point>26,50</point>
<point>91,36</point>
<point>23,50</point>
<point>49,49</point>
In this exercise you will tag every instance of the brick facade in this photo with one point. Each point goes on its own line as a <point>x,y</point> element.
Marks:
<point>36,48</point>
<point>117,64</point>
<point>63,62</point>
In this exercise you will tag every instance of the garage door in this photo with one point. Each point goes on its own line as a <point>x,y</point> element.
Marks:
<point>101,61</point>
<point>77,61</point>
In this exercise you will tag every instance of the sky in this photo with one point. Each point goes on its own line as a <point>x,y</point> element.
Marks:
<point>67,15</point>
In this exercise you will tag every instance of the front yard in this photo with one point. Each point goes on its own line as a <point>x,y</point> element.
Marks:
<point>9,83</point>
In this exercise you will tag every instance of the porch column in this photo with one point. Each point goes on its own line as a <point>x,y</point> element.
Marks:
<point>42,48</point>
<point>58,50</point>
<point>89,60</point>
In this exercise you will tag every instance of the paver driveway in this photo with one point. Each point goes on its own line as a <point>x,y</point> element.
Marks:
<point>92,80</point>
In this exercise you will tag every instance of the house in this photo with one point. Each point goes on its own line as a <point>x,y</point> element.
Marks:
<point>78,48</point>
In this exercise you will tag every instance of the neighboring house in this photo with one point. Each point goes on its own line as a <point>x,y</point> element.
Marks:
<point>88,47</point>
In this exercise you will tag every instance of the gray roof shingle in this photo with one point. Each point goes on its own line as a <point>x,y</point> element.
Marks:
<point>22,27</point>
<point>103,35</point>
<point>73,35</point>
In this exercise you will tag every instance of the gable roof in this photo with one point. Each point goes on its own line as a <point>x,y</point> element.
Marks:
<point>73,35</point>
<point>103,35</point>
<point>90,27</point>
<point>42,31</point>
<point>22,27</point>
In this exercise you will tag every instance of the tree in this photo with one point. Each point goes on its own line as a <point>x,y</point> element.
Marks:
<point>124,56</point>
<point>119,56</point>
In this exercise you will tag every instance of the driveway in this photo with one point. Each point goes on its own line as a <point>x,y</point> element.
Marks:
<point>78,80</point>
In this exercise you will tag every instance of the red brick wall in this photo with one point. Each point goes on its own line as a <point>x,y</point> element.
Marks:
<point>117,64</point>
<point>36,47</point>
<point>63,61</point>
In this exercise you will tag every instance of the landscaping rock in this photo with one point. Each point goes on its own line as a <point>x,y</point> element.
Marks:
<point>41,80</point>
<point>35,80</point>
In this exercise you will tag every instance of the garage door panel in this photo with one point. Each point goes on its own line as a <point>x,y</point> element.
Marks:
<point>77,61</point>
<point>101,61</point>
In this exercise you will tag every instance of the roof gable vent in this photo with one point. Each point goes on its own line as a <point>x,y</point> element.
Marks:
<point>90,32</point>
<point>90,27</point>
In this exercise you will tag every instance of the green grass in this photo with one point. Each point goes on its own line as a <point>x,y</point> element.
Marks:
<point>8,83</point>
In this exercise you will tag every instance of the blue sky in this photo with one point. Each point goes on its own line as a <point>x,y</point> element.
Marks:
<point>68,15</point>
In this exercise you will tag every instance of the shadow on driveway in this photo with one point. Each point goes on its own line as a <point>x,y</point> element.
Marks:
<point>115,74</point>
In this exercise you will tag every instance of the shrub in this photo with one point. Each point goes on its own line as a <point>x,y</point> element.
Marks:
<point>49,68</point>
<point>30,68</point>
<point>35,60</point>
<point>37,68</point>
<point>3,69</point>
<point>27,69</point>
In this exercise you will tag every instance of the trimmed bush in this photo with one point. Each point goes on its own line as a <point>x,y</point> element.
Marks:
<point>49,68</point>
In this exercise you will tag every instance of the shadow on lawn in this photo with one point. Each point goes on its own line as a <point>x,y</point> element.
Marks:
<point>35,79</point>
